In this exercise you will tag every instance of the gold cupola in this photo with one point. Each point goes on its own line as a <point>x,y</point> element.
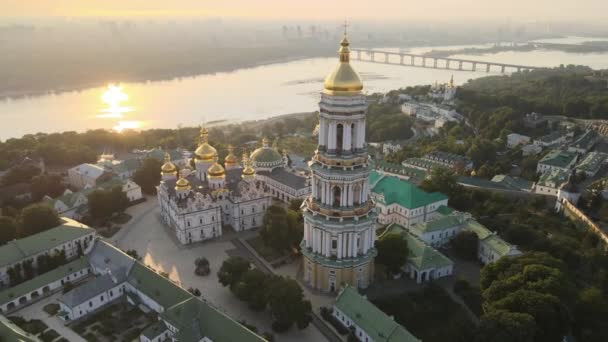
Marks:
<point>248,170</point>
<point>182,184</point>
<point>204,151</point>
<point>168,167</point>
<point>216,170</point>
<point>231,160</point>
<point>344,79</point>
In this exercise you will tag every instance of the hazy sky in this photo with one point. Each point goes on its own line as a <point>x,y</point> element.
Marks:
<point>318,9</point>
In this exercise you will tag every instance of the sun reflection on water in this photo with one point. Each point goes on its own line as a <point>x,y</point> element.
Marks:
<point>113,97</point>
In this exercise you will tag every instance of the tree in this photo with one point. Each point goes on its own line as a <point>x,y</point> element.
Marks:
<point>253,289</point>
<point>505,326</point>
<point>36,218</point>
<point>287,304</point>
<point>103,203</point>
<point>44,185</point>
<point>232,271</point>
<point>442,180</point>
<point>465,244</point>
<point>392,252</point>
<point>148,175</point>
<point>8,229</point>
<point>283,229</point>
<point>295,204</point>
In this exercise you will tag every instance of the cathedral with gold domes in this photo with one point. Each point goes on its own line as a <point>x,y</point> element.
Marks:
<point>197,204</point>
<point>339,216</point>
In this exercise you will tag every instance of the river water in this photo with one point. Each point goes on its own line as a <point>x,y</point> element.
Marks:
<point>244,94</point>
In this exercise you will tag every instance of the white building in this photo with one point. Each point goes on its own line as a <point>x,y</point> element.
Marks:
<point>391,147</point>
<point>198,204</point>
<point>401,202</point>
<point>531,150</point>
<point>551,181</point>
<point>85,176</point>
<point>515,139</point>
<point>557,160</point>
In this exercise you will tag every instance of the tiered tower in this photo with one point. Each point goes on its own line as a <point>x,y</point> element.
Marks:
<point>339,217</point>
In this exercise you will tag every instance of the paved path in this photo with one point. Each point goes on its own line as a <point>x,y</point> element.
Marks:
<point>35,311</point>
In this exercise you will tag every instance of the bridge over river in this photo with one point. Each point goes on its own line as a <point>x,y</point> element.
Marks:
<point>456,64</point>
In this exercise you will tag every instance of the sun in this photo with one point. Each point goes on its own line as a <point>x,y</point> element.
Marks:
<point>114,95</point>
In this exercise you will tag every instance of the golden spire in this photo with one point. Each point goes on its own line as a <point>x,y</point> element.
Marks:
<point>182,184</point>
<point>344,79</point>
<point>204,151</point>
<point>204,135</point>
<point>248,170</point>
<point>265,142</point>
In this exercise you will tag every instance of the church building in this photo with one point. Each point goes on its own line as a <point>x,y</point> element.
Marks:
<point>339,216</point>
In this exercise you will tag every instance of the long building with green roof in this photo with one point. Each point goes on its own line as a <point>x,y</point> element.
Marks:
<point>557,160</point>
<point>66,237</point>
<point>400,201</point>
<point>370,323</point>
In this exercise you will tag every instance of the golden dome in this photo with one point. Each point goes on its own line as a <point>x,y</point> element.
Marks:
<point>204,151</point>
<point>168,167</point>
<point>344,78</point>
<point>248,170</point>
<point>182,184</point>
<point>231,159</point>
<point>216,170</point>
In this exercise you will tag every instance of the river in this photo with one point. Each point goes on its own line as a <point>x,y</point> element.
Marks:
<point>244,94</point>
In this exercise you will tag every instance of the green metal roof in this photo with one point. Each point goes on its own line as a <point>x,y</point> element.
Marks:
<point>421,255</point>
<point>195,319</point>
<point>586,140</point>
<point>43,279</point>
<point>592,162</point>
<point>404,193</point>
<point>10,332</point>
<point>441,223</point>
<point>17,250</point>
<point>155,286</point>
<point>127,165</point>
<point>400,169</point>
<point>266,155</point>
<point>498,245</point>
<point>514,183</point>
<point>376,324</point>
<point>445,210</point>
<point>554,178</point>
<point>423,163</point>
<point>558,158</point>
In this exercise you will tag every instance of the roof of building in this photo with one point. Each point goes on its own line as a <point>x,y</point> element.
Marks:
<point>553,179</point>
<point>402,192</point>
<point>266,154</point>
<point>285,177</point>
<point>88,290</point>
<point>441,223</point>
<point>490,239</point>
<point>232,183</point>
<point>514,183</point>
<point>421,255</point>
<point>154,330</point>
<point>127,165</point>
<point>447,157</point>
<point>10,332</point>
<point>592,162</point>
<point>195,319</point>
<point>155,286</point>
<point>43,279</point>
<point>586,140</point>
<point>558,158</point>
<point>550,138</point>
<point>445,210</point>
<point>17,250</point>
<point>400,169</point>
<point>423,163</point>
<point>365,315</point>
<point>105,256</point>
<point>90,170</point>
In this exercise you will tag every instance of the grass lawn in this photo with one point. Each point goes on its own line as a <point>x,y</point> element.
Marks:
<point>266,252</point>
<point>429,314</point>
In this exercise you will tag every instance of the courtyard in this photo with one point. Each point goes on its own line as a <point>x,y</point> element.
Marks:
<point>160,250</point>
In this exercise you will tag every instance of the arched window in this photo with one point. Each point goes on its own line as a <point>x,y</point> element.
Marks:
<point>337,195</point>
<point>339,135</point>
<point>356,194</point>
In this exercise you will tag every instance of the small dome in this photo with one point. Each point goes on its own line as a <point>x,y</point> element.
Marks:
<point>216,170</point>
<point>204,151</point>
<point>344,78</point>
<point>231,159</point>
<point>168,167</point>
<point>182,184</point>
<point>266,157</point>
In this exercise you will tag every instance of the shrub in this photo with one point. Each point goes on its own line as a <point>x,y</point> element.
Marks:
<point>280,326</point>
<point>51,309</point>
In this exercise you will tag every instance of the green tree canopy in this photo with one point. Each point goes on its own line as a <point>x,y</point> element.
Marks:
<point>232,271</point>
<point>36,218</point>
<point>283,229</point>
<point>8,229</point>
<point>148,175</point>
<point>392,252</point>
<point>465,244</point>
